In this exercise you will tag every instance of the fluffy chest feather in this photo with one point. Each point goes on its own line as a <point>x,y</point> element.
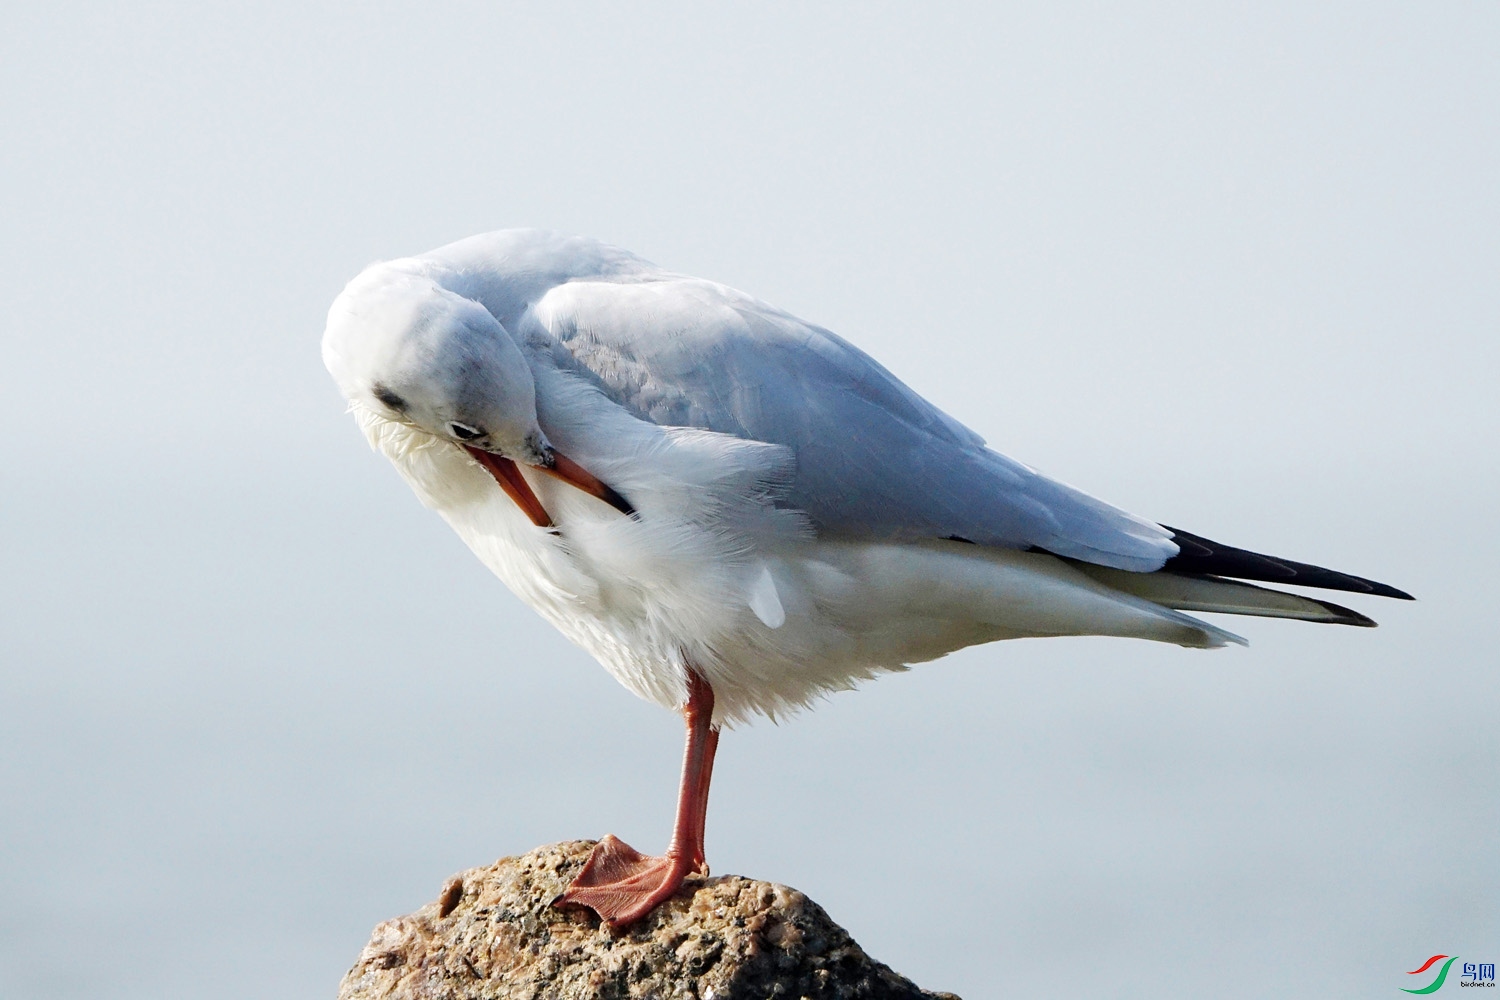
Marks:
<point>690,580</point>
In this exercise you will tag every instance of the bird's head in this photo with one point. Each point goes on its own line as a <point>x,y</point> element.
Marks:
<point>403,346</point>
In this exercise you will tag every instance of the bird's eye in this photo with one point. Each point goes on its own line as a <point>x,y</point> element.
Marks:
<point>464,432</point>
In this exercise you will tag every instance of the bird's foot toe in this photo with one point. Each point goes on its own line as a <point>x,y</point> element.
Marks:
<point>622,885</point>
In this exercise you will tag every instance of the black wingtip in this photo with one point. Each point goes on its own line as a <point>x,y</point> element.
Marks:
<point>1203,556</point>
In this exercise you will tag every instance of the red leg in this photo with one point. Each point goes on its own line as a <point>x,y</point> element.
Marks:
<point>621,884</point>
<point>700,864</point>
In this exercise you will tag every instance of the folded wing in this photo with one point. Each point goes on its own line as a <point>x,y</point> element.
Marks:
<point>874,459</point>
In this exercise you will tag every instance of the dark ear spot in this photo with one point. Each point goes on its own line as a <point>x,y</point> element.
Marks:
<point>388,397</point>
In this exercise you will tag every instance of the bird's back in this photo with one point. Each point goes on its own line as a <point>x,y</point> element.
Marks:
<point>874,460</point>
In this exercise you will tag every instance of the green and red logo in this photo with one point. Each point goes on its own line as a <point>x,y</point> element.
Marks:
<point>1437,983</point>
<point>1475,974</point>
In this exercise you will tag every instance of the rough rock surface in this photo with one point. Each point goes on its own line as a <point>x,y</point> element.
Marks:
<point>493,933</point>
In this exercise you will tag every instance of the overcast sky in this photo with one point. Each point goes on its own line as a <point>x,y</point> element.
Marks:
<point>1237,270</point>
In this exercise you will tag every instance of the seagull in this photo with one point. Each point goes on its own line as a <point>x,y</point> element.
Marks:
<point>735,511</point>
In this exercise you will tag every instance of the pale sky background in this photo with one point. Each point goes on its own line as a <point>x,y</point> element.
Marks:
<point>1237,269</point>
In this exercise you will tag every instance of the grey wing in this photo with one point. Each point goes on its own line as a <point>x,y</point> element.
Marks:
<point>874,459</point>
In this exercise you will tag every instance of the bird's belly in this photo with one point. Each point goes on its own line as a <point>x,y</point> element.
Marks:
<point>772,625</point>
<point>839,612</point>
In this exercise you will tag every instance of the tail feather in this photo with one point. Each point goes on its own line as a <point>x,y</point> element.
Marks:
<point>1230,597</point>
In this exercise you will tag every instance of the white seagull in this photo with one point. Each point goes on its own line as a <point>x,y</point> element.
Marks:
<point>734,510</point>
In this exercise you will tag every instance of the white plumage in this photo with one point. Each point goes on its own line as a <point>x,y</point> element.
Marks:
<point>715,570</point>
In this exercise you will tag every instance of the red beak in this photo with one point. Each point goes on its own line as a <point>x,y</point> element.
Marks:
<point>571,472</point>
<point>515,486</point>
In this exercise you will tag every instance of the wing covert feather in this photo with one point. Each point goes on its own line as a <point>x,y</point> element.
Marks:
<point>874,459</point>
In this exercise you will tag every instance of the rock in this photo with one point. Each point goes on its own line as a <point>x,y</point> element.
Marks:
<point>493,934</point>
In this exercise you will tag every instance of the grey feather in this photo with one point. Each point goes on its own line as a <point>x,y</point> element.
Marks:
<point>874,459</point>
